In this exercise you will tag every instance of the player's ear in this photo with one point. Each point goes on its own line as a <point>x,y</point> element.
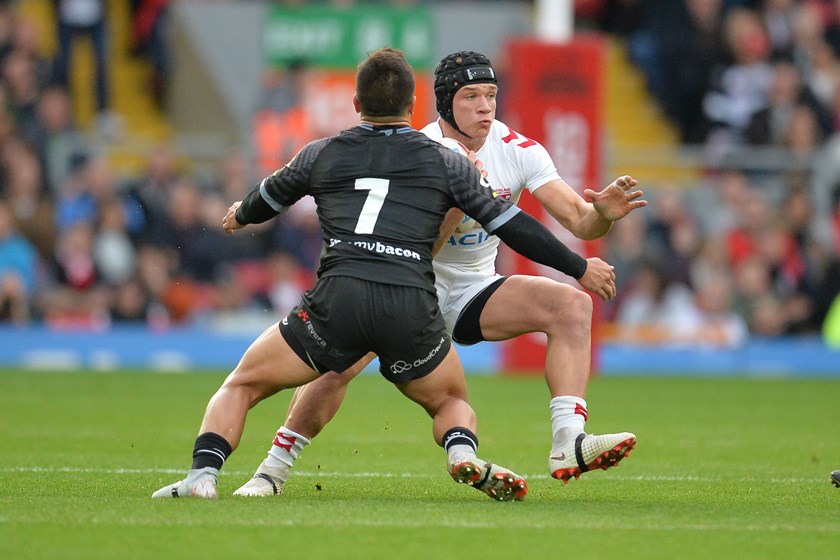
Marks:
<point>412,106</point>
<point>356,105</point>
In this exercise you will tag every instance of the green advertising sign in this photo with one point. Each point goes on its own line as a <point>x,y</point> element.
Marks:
<point>340,37</point>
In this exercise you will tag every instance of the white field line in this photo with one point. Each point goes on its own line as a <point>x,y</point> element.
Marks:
<point>444,522</point>
<point>448,523</point>
<point>332,474</point>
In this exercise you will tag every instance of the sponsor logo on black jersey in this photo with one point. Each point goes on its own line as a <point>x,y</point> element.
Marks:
<point>310,328</point>
<point>401,366</point>
<point>381,248</point>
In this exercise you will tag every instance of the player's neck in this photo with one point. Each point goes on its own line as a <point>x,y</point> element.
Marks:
<point>474,144</point>
<point>385,121</point>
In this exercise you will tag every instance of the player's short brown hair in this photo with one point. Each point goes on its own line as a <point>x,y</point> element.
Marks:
<point>385,83</point>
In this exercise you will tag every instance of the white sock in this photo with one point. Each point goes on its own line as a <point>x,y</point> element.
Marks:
<point>464,449</point>
<point>460,440</point>
<point>568,417</point>
<point>286,448</point>
<point>195,474</point>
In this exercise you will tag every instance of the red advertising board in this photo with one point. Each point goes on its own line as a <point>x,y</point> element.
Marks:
<point>553,93</point>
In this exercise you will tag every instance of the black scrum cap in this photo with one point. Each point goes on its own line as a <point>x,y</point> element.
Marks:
<point>453,72</point>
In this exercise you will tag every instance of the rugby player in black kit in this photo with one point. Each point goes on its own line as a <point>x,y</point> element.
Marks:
<point>382,190</point>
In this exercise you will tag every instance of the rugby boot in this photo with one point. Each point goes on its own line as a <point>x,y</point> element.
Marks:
<point>499,483</point>
<point>199,483</point>
<point>588,452</point>
<point>267,481</point>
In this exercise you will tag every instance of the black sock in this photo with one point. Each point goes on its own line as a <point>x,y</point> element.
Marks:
<point>211,450</point>
<point>459,436</point>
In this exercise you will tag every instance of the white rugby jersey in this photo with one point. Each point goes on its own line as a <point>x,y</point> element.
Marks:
<point>512,162</point>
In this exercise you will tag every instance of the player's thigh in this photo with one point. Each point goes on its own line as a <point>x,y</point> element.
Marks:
<point>525,304</point>
<point>270,365</point>
<point>444,382</point>
<point>332,384</point>
<point>357,368</point>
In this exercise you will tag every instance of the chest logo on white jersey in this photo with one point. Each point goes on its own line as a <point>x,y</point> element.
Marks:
<point>476,236</point>
<point>503,192</point>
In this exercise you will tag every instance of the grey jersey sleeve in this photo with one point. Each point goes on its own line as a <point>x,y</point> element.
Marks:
<point>277,192</point>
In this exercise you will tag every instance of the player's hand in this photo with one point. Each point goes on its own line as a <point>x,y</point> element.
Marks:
<point>599,278</point>
<point>618,199</point>
<point>478,163</point>
<point>473,158</point>
<point>229,223</point>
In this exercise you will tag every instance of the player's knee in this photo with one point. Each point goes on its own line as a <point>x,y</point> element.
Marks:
<point>332,382</point>
<point>250,384</point>
<point>569,305</point>
<point>582,305</point>
<point>449,402</point>
<point>353,370</point>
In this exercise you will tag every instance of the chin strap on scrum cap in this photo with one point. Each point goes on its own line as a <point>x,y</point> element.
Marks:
<point>455,71</point>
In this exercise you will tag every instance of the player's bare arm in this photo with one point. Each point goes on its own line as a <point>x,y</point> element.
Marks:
<point>590,220</point>
<point>229,222</point>
<point>455,216</point>
<point>447,228</point>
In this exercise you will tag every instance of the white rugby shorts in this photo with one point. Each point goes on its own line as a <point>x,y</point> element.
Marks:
<point>457,287</point>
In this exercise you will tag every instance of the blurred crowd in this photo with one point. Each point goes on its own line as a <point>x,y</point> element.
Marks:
<point>83,246</point>
<point>737,256</point>
<point>751,250</point>
<point>735,72</point>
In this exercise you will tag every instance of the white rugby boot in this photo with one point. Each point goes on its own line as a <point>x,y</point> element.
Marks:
<point>267,481</point>
<point>199,483</point>
<point>588,452</point>
<point>496,481</point>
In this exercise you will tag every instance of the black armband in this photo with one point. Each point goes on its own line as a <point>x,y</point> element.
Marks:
<point>527,236</point>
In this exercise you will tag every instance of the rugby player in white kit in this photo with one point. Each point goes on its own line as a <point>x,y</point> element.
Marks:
<point>479,305</point>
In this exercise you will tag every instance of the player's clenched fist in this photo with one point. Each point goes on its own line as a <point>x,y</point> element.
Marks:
<point>229,223</point>
<point>599,278</point>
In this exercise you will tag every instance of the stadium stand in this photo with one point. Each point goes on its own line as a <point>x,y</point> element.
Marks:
<point>125,229</point>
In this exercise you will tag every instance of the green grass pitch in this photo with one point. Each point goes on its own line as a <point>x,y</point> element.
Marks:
<point>724,468</point>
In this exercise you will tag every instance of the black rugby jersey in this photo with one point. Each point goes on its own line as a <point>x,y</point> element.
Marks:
<point>382,193</point>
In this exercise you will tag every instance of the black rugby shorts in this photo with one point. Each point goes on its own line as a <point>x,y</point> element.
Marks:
<point>343,318</point>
